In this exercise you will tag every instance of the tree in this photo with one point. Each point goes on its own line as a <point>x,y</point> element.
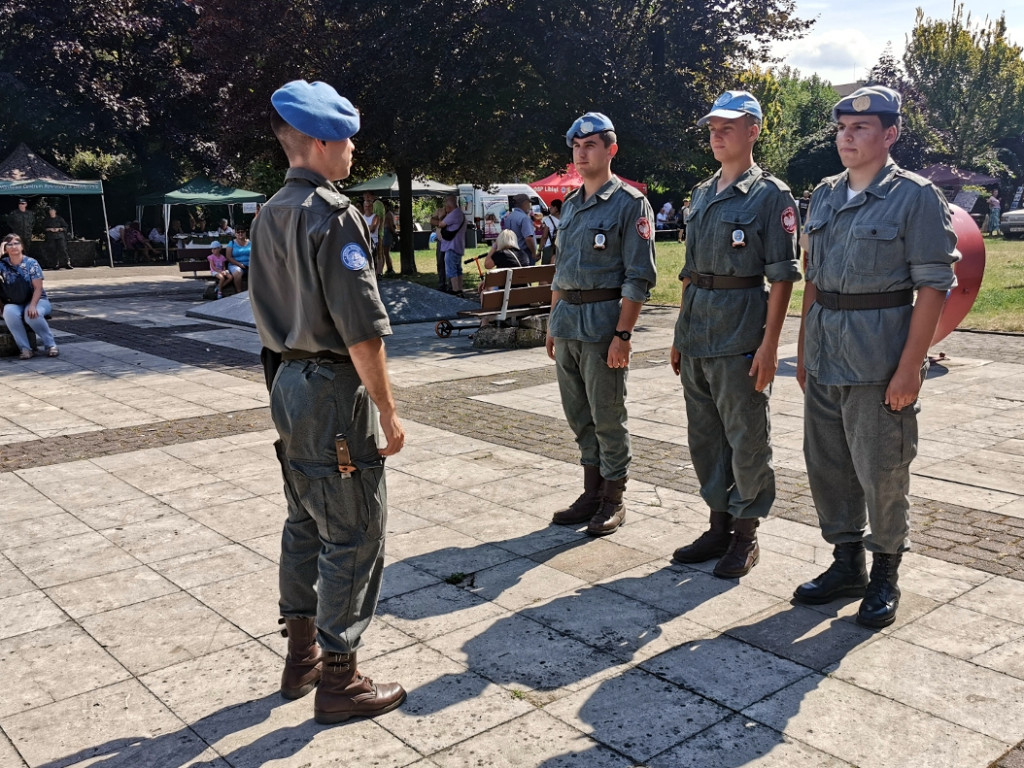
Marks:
<point>971,81</point>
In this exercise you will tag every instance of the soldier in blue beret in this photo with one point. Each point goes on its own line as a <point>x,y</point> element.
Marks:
<point>603,275</point>
<point>321,321</point>
<point>875,235</point>
<point>740,231</point>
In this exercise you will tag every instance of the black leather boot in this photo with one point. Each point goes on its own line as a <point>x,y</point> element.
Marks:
<point>846,577</point>
<point>711,544</point>
<point>586,506</point>
<point>743,552</point>
<point>612,512</point>
<point>882,597</point>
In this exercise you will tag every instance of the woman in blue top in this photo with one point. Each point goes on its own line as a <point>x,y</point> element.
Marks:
<point>238,256</point>
<point>15,263</point>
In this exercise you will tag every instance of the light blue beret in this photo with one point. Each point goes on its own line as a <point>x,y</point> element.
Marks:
<point>733,104</point>
<point>317,110</point>
<point>870,100</point>
<point>588,125</point>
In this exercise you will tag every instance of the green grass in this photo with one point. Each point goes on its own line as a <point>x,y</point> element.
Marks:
<point>999,306</point>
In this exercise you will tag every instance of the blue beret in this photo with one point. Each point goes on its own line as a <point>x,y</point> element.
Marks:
<point>317,110</point>
<point>733,104</point>
<point>870,100</point>
<point>588,125</point>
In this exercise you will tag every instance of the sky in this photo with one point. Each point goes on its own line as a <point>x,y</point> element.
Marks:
<point>848,38</point>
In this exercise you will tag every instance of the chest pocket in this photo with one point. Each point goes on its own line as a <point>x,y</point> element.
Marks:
<point>730,221</point>
<point>816,239</point>
<point>876,249</point>
<point>602,238</point>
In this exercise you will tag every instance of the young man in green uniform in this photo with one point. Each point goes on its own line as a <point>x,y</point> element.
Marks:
<point>875,235</point>
<point>315,301</point>
<point>21,223</point>
<point>56,230</point>
<point>604,274</point>
<point>740,230</point>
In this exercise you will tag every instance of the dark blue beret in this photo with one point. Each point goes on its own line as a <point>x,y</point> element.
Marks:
<point>317,110</point>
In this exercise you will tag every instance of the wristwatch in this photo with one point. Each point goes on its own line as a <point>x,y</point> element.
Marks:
<point>624,335</point>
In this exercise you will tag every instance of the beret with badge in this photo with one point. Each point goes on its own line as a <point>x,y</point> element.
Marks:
<point>870,100</point>
<point>317,110</point>
<point>588,125</point>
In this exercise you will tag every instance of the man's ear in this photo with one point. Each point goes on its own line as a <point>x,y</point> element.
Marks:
<point>613,150</point>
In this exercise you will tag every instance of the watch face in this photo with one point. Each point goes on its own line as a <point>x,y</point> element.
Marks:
<point>624,335</point>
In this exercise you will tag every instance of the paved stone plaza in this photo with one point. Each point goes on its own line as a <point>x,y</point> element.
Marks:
<point>141,506</point>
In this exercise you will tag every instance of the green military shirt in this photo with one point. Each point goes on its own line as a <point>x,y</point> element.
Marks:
<point>619,218</point>
<point>311,280</point>
<point>896,234</point>
<point>747,230</point>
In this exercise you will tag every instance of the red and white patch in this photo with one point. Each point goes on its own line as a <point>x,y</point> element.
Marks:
<point>789,220</point>
<point>643,227</point>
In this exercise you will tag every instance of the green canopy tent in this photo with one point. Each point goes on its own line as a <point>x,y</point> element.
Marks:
<point>24,173</point>
<point>387,186</point>
<point>199,191</point>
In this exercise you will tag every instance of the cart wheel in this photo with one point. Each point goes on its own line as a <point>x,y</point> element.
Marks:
<point>444,329</point>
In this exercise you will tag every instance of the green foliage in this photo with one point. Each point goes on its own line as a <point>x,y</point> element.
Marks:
<point>970,78</point>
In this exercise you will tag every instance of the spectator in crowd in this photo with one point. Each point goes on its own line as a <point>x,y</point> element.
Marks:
<point>22,221</point>
<point>56,230</point>
<point>116,235</point>
<point>505,252</point>
<point>156,236</point>
<point>218,267</point>
<point>224,229</point>
<point>540,234</point>
<point>519,221</point>
<point>388,237</point>
<point>25,301</point>
<point>663,218</point>
<point>453,241</point>
<point>373,223</point>
<point>135,241</point>
<point>238,251</point>
<point>551,223</point>
<point>994,209</point>
<point>435,223</point>
<point>684,212</point>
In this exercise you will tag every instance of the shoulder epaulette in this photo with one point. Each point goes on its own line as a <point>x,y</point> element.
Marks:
<point>336,200</point>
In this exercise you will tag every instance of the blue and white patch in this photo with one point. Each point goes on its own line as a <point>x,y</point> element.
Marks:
<point>353,257</point>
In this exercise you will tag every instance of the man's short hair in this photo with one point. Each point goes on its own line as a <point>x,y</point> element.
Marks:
<point>293,142</point>
<point>556,203</point>
<point>608,138</point>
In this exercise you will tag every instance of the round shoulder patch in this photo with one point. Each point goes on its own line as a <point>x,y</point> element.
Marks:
<point>789,220</point>
<point>643,227</point>
<point>353,257</point>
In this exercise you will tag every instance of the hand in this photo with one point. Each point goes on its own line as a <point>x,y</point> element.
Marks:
<point>904,387</point>
<point>766,363</point>
<point>618,353</point>
<point>394,432</point>
<point>31,312</point>
<point>675,360</point>
<point>549,345</point>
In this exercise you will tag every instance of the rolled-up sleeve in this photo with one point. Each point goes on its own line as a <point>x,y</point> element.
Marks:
<point>931,242</point>
<point>641,272</point>
<point>781,254</point>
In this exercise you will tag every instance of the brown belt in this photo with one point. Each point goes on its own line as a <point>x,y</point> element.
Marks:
<point>589,297</point>
<point>724,282</point>
<point>301,354</point>
<point>865,300</point>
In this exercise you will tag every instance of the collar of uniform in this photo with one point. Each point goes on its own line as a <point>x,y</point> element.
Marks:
<point>304,174</point>
<point>605,191</point>
<point>879,186</point>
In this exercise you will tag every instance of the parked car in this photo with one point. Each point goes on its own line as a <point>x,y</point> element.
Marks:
<point>1011,224</point>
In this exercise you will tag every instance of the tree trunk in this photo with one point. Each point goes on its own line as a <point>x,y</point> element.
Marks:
<point>404,173</point>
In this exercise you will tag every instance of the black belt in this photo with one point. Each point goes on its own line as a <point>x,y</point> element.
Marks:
<point>301,354</point>
<point>589,297</point>
<point>724,282</point>
<point>865,300</point>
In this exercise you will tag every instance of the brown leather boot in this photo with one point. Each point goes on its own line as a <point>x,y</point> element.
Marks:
<point>612,512</point>
<point>713,543</point>
<point>743,552</point>
<point>586,506</point>
<point>344,693</point>
<point>303,664</point>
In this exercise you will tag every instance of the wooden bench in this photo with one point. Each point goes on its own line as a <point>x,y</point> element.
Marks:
<point>509,294</point>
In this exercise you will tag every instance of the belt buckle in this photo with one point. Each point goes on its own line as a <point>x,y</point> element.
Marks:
<point>705,281</point>
<point>574,296</point>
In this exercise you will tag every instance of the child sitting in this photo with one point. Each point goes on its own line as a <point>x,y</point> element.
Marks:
<point>218,267</point>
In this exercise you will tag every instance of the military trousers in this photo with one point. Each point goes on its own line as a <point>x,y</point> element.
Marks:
<point>728,430</point>
<point>858,455</point>
<point>594,401</point>
<point>332,546</point>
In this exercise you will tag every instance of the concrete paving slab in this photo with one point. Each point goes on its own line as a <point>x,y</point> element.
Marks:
<point>111,590</point>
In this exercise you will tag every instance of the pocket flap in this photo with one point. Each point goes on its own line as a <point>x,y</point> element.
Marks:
<point>739,217</point>
<point>879,230</point>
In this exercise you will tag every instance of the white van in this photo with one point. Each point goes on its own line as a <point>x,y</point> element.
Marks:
<point>487,207</point>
